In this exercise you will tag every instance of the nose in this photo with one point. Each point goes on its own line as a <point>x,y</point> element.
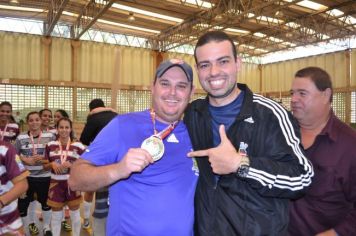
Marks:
<point>172,90</point>
<point>294,98</point>
<point>214,69</point>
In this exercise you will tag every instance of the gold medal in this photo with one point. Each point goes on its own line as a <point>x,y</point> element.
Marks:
<point>154,146</point>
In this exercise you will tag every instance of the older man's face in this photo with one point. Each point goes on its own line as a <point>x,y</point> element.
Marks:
<point>307,102</point>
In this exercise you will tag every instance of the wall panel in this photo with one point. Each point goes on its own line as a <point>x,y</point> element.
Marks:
<point>250,75</point>
<point>96,62</point>
<point>136,66</point>
<point>21,56</point>
<point>278,76</point>
<point>353,67</point>
<point>61,60</point>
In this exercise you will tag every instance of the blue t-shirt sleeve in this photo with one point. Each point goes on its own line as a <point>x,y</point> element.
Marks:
<point>104,150</point>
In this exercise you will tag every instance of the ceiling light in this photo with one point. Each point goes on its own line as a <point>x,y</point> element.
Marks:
<point>131,17</point>
<point>218,17</point>
<point>279,14</point>
<point>260,35</point>
<point>128,26</point>
<point>238,31</point>
<point>289,35</point>
<point>312,5</point>
<point>17,8</point>
<point>269,19</point>
<point>205,4</point>
<point>146,13</point>
<point>14,2</point>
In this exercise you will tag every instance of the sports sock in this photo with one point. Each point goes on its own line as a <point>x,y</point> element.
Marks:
<point>75,219</point>
<point>87,208</point>
<point>47,215</point>
<point>56,221</point>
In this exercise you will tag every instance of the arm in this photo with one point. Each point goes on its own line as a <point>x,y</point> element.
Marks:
<point>47,165</point>
<point>88,132</point>
<point>15,172</point>
<point>279,167</point>
<point>30,161</point>
<point>19,188</point>
<point>347,225</point>
<point>82,177</point>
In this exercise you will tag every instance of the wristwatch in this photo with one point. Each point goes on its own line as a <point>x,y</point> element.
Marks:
<point>244,167</point>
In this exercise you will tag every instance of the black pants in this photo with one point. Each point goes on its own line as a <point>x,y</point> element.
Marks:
<point>37,190</point>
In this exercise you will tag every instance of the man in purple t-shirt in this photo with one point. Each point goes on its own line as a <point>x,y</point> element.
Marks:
<point>143,157</point>
<point>329,206</point>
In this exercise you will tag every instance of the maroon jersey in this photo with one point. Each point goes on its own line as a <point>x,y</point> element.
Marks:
<point>55,153</point>
<point>9,132</point>
<point>11,171</point>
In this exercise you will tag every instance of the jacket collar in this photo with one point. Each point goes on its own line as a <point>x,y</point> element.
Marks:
<point>246,109</point>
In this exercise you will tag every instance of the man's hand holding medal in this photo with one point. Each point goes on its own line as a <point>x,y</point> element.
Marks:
<point>135,160</point>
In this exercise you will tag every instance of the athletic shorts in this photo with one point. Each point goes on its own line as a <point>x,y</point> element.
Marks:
<point>37,190</point>
<point>60,195</point>
<point>10,223</point>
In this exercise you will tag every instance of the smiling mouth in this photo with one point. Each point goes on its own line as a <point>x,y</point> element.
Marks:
<point>171,102</point>
<point>216,82</point>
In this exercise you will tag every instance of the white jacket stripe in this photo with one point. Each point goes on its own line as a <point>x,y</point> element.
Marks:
<point>282,181</point>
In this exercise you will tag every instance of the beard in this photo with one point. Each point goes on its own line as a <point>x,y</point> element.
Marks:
<point>227,93</point>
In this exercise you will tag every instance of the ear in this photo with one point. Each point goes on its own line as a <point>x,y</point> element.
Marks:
<point>196,67</point>
<point>327,94</point>
<point>238,63</point>
<point>192,91</point>
<point>152,86</point>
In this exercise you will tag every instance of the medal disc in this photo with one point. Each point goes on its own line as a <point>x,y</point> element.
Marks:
<point>154,146</point>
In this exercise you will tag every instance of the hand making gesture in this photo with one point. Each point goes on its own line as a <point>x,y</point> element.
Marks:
<point>224,159</point>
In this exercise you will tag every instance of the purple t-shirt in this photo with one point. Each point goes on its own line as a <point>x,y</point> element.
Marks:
<point>160,199</point>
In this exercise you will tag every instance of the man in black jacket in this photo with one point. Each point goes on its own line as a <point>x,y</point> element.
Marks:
<point>247,148</point>
<point>97,119</point>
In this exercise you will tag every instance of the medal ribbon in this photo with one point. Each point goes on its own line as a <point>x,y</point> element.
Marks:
<point>34,151</point>
<point>164,133</point>
<point>65,153</point>
<point>3,132</point>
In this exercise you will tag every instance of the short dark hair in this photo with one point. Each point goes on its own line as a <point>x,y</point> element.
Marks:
<point>320,78</point>
<point>31,113</point>
<point>95,103</point>
<point>43,110</point>
<point>6,103</point>
<point>217,36</point>
<point>63,113</point>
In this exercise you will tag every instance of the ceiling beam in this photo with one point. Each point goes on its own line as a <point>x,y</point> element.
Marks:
<point>226,10</point>
<point>89,15</point>
<point>55,11</point>
<point>311,30</point>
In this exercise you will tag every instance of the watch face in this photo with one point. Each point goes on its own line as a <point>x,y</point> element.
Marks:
<point>243,170</point>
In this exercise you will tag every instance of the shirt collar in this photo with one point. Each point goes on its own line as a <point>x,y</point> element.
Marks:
<point>246,110</point>
<point>329,129</point>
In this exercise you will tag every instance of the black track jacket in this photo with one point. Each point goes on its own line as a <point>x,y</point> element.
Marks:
<point>258,203</point>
